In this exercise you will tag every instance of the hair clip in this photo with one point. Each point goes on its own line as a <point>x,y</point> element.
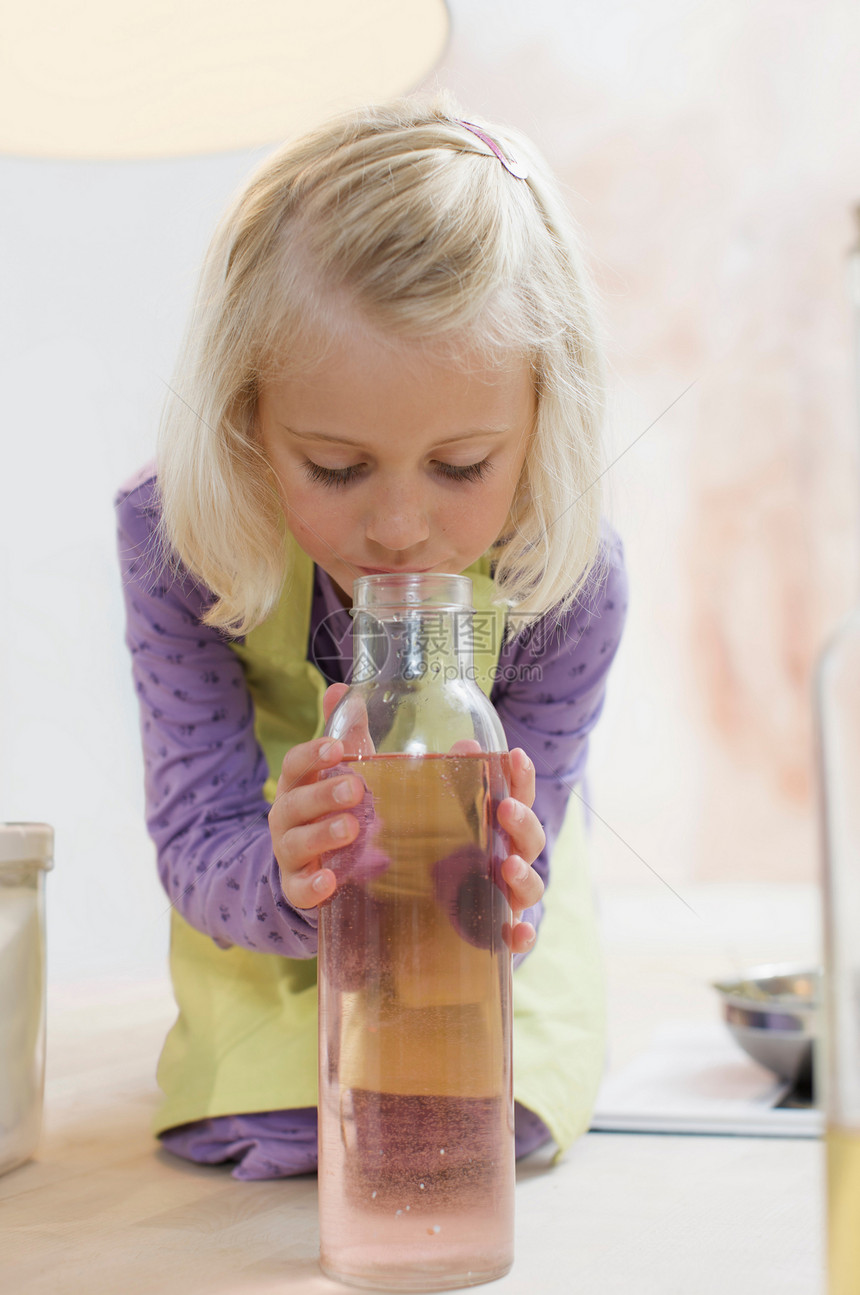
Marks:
<point>510,163</point>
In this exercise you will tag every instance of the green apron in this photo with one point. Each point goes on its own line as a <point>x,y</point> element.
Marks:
<point>246,1035</point>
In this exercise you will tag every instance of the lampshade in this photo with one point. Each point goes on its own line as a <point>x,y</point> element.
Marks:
<point>162,78</point>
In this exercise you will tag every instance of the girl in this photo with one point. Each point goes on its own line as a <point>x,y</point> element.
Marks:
<point>391,366</point>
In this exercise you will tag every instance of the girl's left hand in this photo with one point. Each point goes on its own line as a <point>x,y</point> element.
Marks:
<point>527,839</point>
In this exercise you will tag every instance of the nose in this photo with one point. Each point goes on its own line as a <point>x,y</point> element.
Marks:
<point>398,520</point>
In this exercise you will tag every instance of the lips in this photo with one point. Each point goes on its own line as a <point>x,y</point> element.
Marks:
<point>393,571</point>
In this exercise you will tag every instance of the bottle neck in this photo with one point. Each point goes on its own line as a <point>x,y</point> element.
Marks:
<point>427,645</point>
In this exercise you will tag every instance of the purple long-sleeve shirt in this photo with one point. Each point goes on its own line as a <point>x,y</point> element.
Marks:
<point>205,770</point>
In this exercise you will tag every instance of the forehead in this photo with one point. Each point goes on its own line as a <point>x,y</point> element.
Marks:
<point>362,380</point>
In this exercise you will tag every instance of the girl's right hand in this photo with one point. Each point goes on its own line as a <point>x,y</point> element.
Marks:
<point>299,834</point>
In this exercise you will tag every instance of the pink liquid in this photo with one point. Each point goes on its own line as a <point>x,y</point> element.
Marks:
<point>416,1178</point>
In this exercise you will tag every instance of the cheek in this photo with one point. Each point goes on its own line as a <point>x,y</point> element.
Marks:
<point>296,491</point>
<point>499,500</point>
<point>314,516</point>
<point>479,519</point>
<point>302,512</point>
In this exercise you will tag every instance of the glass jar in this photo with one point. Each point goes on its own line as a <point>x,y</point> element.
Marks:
<point>839,748</point>
<point>416,1168</point>
<point>838,713</point>
<point>26,851</point>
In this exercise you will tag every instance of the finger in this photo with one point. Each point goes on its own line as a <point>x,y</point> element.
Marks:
<point>303,763</point>
<point>329,795</point>
<point>523,827</point>
<point>524,884</point>
<point>353,728</point>
<point>519,937</point>
<point>331,698</point>
<point>304,844</point>
<point>522,776</point>
<point>309,887</point>
<point>466,746</point>
<point>357,737</point>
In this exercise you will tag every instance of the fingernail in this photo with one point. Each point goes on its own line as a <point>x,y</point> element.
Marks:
<point>340,827</point>
<point>326,750</point>
<point>521,871</point>
<point>517,811</point>
<point>319,883</point>
<point>527,764</point>
<point>344,791</point>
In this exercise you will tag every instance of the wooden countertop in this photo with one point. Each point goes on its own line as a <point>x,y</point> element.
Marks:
<point>103,1211</point>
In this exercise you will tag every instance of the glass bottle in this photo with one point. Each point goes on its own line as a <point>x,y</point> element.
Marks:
<point>416,1167</point>
<point>838,706</point>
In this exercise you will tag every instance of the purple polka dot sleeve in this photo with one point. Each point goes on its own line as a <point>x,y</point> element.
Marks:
<point>550,691</point>
<point>204,769</point>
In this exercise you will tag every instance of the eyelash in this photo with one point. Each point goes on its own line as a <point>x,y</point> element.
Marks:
<point>343,476</point>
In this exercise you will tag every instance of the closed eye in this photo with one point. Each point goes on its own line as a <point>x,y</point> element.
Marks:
<point>343,476</point>
<point>471,472</point>
<point>331,476</point>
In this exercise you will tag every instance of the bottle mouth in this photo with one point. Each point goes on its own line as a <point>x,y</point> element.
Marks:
<point>412,591</point>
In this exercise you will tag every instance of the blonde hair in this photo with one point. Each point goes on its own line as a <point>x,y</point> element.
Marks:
<point>409,217</point>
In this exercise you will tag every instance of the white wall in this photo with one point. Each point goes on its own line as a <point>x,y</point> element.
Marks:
<point>99,269</point>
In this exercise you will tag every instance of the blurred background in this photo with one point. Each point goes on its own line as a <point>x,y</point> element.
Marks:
<point>711,155</point>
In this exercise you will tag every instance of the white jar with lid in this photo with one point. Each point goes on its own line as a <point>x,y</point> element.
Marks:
<point>26,854</point>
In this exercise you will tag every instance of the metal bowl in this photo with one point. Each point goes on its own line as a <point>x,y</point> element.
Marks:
<point>773,1013</point>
